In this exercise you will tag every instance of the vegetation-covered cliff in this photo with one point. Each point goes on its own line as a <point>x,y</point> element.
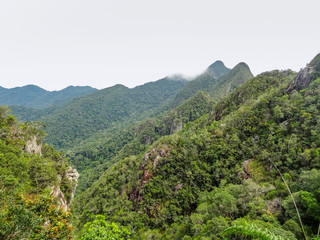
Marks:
<point>37,184</point>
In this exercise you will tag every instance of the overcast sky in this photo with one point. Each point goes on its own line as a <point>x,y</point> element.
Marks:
<point>54,44</point>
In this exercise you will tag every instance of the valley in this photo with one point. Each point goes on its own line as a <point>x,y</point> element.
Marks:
<point>225,155</point>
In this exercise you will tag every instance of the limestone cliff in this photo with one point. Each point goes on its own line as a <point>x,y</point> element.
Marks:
<point>65,198</point>
<point>32,145</point>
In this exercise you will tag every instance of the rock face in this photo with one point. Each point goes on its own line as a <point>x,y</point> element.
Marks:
<point>303,80</point>
<point>32,145</point>
<point>246,172</point>
<point>176,127</point>
<point>307,75</point>
<point>150,158</point>
<point>72,176</point>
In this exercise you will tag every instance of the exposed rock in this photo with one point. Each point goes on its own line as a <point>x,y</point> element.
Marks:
<point>136,194</point>
<point>56,192</point>
<point>176,127</point>
<point>32,145</point>
<point>274,205</point>
<point>302,80</point>
<point>246,173</point>
<point>178,186</point>
<point>307,75</point>
<point>71,175</point>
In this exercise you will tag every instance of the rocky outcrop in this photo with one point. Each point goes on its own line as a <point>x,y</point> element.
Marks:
<point>303,79</point>
<point>307,75</point>
<point>176,127</point>
<point>32,145</point>
<point>150,159</point>
<point>246,172</point>
<point>71,175</point>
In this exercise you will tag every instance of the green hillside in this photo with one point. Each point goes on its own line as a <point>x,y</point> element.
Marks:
<point>229,82</point>
<point>70,123</point>
<point>225,174</point>
<point>36,97</point>
<point>35,185</point>
<point>217,80</point>
<point>94,155</point>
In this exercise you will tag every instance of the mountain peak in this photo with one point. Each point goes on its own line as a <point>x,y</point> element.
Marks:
<point>218,69</point>
<point>315,62</point>
<point>242,65</point>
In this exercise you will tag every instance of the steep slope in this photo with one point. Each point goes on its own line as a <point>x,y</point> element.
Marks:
<point>36,184</point>
<point>307,75</point>
<point>36,97</point>
<point>217,80</point>
<point>203,82</point>
<point>172,190</point>
<point>226,84</point>
<point>94,155</point>
<point>217,69</point>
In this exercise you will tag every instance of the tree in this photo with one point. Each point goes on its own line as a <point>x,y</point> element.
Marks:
<point>99,229</point>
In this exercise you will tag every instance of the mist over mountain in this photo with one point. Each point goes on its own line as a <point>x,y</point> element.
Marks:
<point>217,80</point>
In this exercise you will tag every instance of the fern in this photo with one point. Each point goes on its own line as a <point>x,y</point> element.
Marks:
<point>250,231</point>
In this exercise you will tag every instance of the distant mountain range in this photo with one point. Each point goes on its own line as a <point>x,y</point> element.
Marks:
<point>97,110</point>
<point>36,97</point>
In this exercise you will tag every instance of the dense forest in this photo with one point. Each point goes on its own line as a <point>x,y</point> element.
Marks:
<point>36,97</point>
<point>224,156</point>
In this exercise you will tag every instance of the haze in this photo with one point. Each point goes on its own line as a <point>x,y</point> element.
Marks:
<point>54,44</point>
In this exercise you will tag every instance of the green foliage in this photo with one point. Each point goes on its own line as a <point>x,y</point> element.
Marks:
<point>250,231</point>
<point>195,176</point>
<point>97,153</point>
<point>33,217</point>
<point>192,173</point>
<point>26,208</point>
<point>217,80</point>
<point>100,229</point>
<point>75,121</point>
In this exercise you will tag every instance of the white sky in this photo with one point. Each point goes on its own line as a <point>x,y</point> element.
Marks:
<point>54,44</point>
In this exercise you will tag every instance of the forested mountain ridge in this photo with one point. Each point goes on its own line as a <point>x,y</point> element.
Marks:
<point>70,123</point>
<point>217,69</point>
<point>217,80</point>
<point>229,82</point>
<point>219,176</point>
<point>36,97</point>
<point>94,155</point>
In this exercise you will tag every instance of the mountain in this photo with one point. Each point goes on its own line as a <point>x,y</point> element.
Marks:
<point>217,80</point>
<point>92,162</point>
<point>95,154</point>
<point>225,174</point>
<point>36,97</point>
<point>217,69</point>
<point>92,156</point>
<point>80,118</point>
<point>229,82</point>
